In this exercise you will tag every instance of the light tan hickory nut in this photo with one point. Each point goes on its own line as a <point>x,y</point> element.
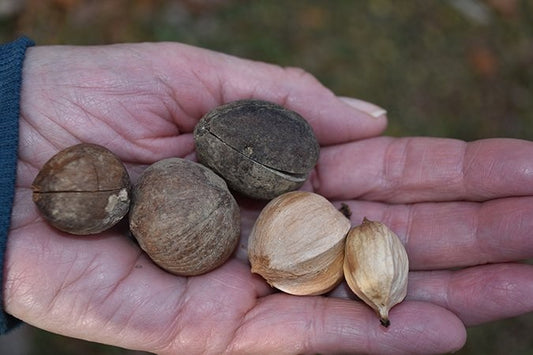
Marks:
<point>376,267</point>
<point>297,243</point>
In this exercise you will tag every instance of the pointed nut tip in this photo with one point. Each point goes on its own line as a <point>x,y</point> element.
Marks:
<point>384,322</point>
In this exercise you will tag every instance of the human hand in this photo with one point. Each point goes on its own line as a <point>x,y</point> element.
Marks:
<point>142,102</point>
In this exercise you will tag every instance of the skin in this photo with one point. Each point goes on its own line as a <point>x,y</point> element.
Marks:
<point>463,210</point>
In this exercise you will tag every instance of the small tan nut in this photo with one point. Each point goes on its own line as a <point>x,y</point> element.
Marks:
<point>184,217</point>
<point>260,148</point>
<point>297,243</point>
<point>83,189</point>
<point>376,267</point>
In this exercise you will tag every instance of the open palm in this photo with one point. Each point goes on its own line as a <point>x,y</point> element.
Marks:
<point>466,207</point>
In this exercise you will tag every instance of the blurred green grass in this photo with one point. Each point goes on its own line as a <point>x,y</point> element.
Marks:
<point>456,68</point>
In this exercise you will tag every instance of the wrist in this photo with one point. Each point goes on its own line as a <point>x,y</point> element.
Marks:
<point>11,60</point>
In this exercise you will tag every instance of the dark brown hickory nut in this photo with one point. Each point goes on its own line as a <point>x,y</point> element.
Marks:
<point>83,189</point>
<point>261,149</point>
<point>184,217</point>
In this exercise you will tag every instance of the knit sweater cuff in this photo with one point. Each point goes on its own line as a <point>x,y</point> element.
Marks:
<point>11,60</point>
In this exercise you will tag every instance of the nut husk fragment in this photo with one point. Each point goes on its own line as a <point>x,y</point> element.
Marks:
<point>260,148</point>
<point>376,267</point>
<point>297,243</point>
<point>83,189</point>
<point>184,217</point>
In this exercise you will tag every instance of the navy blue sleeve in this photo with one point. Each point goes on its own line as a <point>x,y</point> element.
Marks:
<point>11,60</point>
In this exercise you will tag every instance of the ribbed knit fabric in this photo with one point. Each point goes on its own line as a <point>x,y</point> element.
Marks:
<point>11,60</point>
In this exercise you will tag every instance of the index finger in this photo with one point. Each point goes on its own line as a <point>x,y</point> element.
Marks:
<point>419,169</point>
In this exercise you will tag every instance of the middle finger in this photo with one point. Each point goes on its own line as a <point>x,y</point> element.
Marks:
<point>456,234</point>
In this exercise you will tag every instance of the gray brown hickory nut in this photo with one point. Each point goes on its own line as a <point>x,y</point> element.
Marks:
<point>261,149</point>
<point>83,189</point>
<point>184,217</point>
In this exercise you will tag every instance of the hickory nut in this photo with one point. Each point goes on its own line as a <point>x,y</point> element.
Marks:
<point>376,267</point>
<point>184,217</point>
<point>297,243</point>
<point>302,245</point>
<point>260,148</point>
<point>83,189</point>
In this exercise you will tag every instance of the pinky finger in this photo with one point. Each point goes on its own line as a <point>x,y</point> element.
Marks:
<point>333,325</point>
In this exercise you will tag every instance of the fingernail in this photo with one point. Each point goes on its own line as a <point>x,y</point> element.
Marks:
<point>367,107</point>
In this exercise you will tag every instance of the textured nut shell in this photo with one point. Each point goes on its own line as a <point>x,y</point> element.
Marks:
<point>261,149</point>
<point>184,217</point>
<point>83,189</point>
<point>376,267</point>
<point>297,243</point>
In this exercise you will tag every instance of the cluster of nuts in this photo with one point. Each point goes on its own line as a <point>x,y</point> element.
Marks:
<point>182,213</point>
<point>184,216</point>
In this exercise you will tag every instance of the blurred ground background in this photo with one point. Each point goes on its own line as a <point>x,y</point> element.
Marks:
<point>455,68</point>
